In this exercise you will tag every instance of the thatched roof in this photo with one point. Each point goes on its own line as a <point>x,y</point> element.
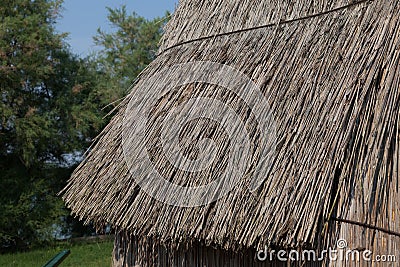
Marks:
<point>330,72</point>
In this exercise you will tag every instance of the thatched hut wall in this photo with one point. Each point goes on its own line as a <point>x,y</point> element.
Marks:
<point>134,251</point>
<point>382,249</point>
<point>137,251</point>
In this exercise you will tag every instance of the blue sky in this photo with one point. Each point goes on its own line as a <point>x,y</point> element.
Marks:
<point>81,18</point>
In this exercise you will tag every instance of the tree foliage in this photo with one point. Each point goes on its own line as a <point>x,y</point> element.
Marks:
<point>125,52</point>
<point>51,107</point>
<point>45,114</point>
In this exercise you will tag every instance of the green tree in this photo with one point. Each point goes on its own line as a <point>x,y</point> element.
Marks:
<point>125,52</point>
<point>46,115</point>
<point>52,106</point>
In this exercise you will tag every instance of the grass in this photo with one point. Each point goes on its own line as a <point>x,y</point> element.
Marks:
<point>89,254</point>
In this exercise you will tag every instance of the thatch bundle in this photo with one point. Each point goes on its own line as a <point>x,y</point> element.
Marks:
<point>330,72</point>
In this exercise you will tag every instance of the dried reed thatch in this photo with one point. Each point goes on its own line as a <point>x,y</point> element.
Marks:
<point>331,74</point>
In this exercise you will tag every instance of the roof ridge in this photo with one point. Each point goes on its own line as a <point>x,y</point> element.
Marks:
<point>356,3</point>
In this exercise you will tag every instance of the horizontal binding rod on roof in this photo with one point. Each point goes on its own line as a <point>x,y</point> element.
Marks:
<point>390,232</point>
<point>266,25</point>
